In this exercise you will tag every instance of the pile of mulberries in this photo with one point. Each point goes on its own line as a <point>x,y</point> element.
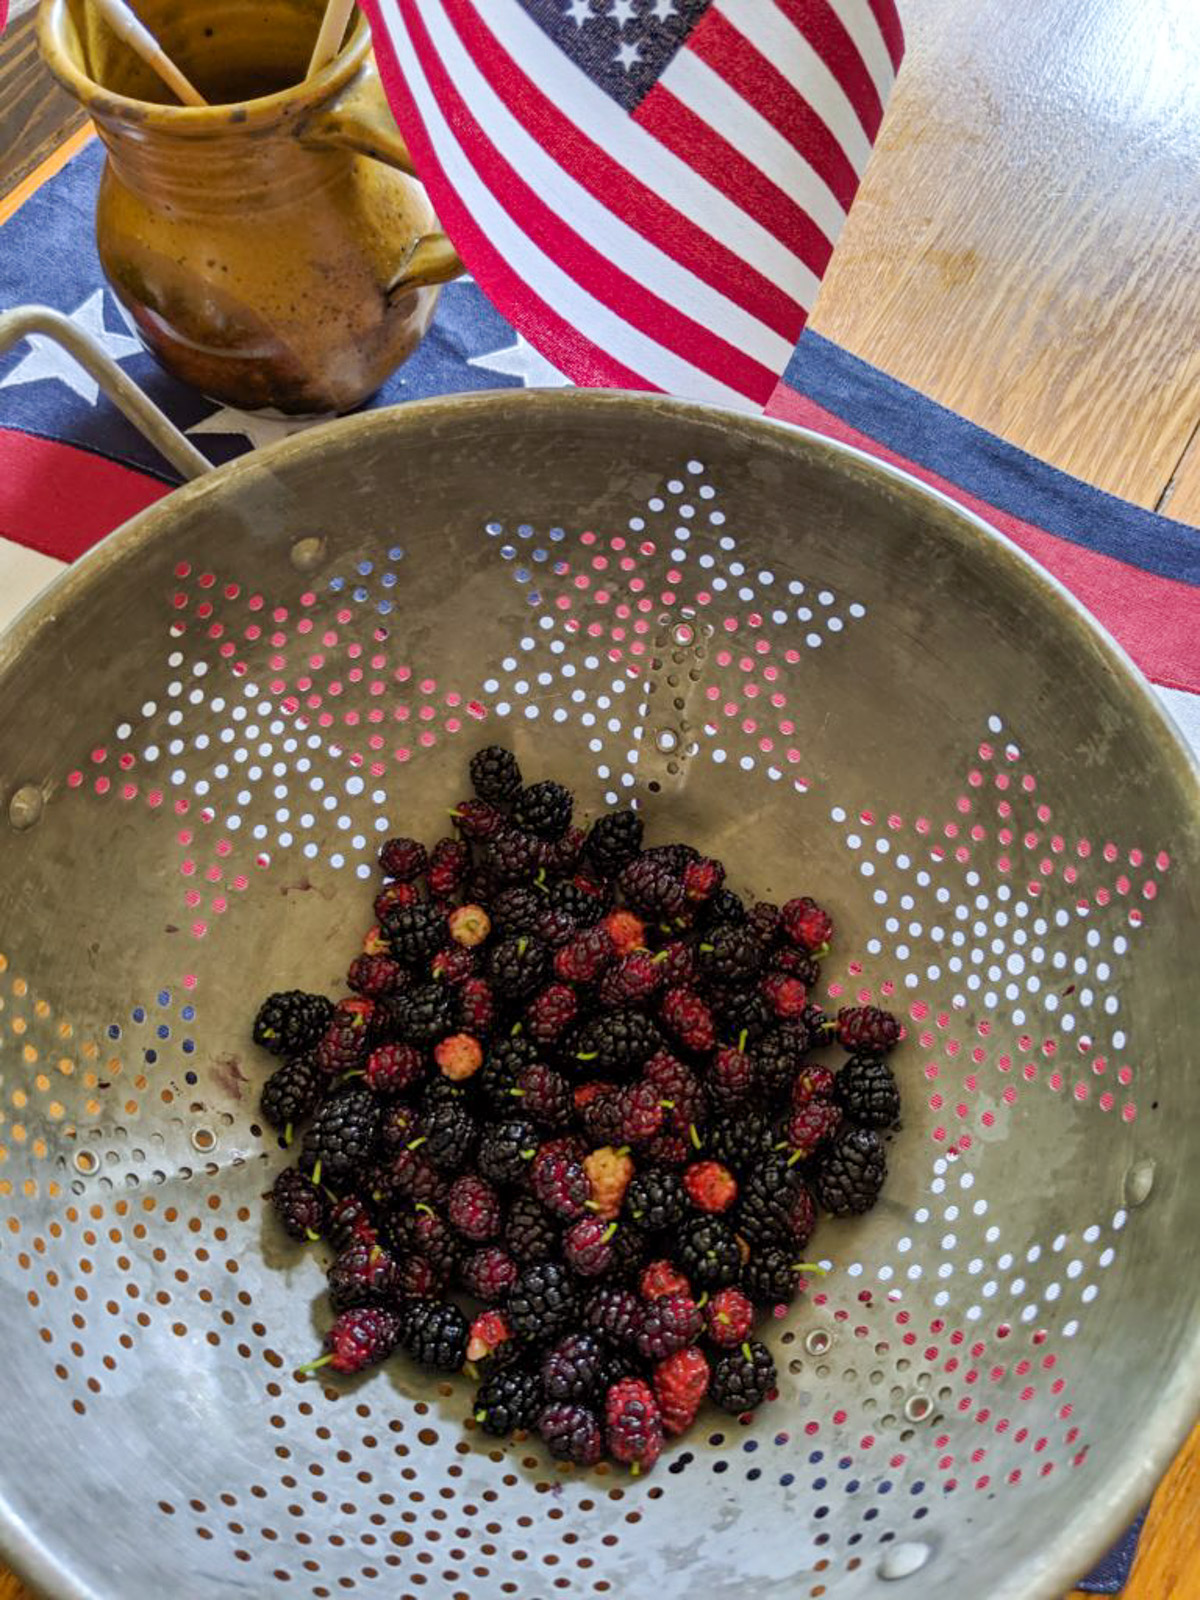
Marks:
<point>569,1130</point>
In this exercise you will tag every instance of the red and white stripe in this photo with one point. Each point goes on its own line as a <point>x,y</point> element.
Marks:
<point>679,248</point>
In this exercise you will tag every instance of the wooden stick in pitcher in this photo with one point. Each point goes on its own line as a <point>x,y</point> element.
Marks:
<point>329,40</point>
<point>133,32</point>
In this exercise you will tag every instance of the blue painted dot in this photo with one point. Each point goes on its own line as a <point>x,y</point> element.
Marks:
<point>782,1438</point>
<point>396,553</point>
<point>819,1483</point>
<point>190,1077</point>
<point>754,1475</point>
<point>114,1031</point>
<point>139,1013</point>
<point>749,1445</point>
<point>189,1046</point>
<point>337,584</point>
<point>870,1513</point>
<point>557,535</point>
<point>787,1479</point>
<point>364,569</point>
<point>151,1057</point>
<point>852,1486</point>
<point>716,1438</point>
<point>720,1466</point>
<point>188,1013</point>
<point>845,1462</point>
<point>384,608</point>
<point>855,1538</point>
<point>821,1511</point>
<point>388,580</point>
<point>360,594</point>
<point>884,1488</point>
<point>164,997</point>
<point>918,1487</point>
<point>921,1511</point>
<point>817,1455</point>
<point>163,1031</point>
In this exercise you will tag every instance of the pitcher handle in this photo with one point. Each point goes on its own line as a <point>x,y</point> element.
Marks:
<point>361,120</point>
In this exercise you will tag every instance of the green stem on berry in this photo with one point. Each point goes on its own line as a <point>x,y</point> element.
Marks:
<point>287,1137</point>
<point>796,1155</point>
<point>705,949</point>
<point>312,1236</point>
<point>747,1352</point>
<point>316,1175</point>
<point>322,1361</point>
<point>723,1316</point>
<point>528,1155</point>
<point>517,1093</point>
<point>522,945</point>
<point>421,1206</point>
<point>742,1037</point>
<point>415,1144</point>
<point>623,1150</point>
<point>517,1029</point>
<point>811,1266</point>
<point>661,956</point>
<point>608,1232</point>
<point>481,1416</point>
<point>591,1205</point>
<point>374,1255</point>
<point>540,881</point>
<point>694,1134</point>
<point>346,1076</point>
<point>667,1105</point>
<point>471,1370</point>
<point>635,1470</point>
<point>588,1055</point>
<point>821,951</point>
<point>703,1301</point>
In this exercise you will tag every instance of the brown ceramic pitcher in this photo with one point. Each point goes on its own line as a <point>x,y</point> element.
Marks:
<point>273,247</point>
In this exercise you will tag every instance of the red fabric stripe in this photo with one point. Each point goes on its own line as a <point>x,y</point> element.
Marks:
<point>822,27</point>
<point>1157,620</point>
<point>693,139</point>
<point>603,177</point>
<point>745,70</point>
<point>891,28</point>
<point>592,270</point>
<point>61,500</point>
<point>561,343</point>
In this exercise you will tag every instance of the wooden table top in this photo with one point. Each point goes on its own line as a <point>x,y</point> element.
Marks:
<point>1023,250</point>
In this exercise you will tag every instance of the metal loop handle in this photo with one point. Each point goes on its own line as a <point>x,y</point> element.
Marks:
<point>146,417</point>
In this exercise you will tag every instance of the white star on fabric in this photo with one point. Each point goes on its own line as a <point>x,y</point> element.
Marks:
<point>622,12</point>
<point>259,427</point>
<point>46,359</point>
<point>578,12</point>
<point>661,10</point>
<point>628,54</point>
<point>522,361</point>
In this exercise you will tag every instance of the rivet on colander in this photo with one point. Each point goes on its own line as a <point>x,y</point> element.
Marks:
<point>666,739</point>
<point>1139,1181</point>
<point>85,1161</point>
<point>308,553</point>
<point>683,633</point>
<point>917,1407</point>
<point>204,1139</point>
<point>25,807</point>
<point>902,1560</point>
<point>817,1342</point>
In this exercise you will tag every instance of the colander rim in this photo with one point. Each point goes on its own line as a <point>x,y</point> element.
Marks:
<point>1044,1575</point>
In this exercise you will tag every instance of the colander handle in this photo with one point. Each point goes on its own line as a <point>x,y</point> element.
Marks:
<point>166,438</point>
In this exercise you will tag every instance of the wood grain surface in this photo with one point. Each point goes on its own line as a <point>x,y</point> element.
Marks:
<point>1024,250</point>
<point>35,114</point>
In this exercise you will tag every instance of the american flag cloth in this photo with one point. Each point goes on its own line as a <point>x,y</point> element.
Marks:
<point>648,190</point>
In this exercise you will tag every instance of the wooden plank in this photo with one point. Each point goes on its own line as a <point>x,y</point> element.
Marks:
<point>1168,1559</point>
<point>1181,498</point>
<point>1023,246</point>
<point>35,114</point>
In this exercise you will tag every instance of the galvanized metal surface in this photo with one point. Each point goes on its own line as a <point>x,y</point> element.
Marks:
<point>834,679</point>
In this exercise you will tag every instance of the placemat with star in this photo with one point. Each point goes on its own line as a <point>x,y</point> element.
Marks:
<point>72,469</point>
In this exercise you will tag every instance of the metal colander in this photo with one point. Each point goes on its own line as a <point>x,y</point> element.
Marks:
<point>834,680</point>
